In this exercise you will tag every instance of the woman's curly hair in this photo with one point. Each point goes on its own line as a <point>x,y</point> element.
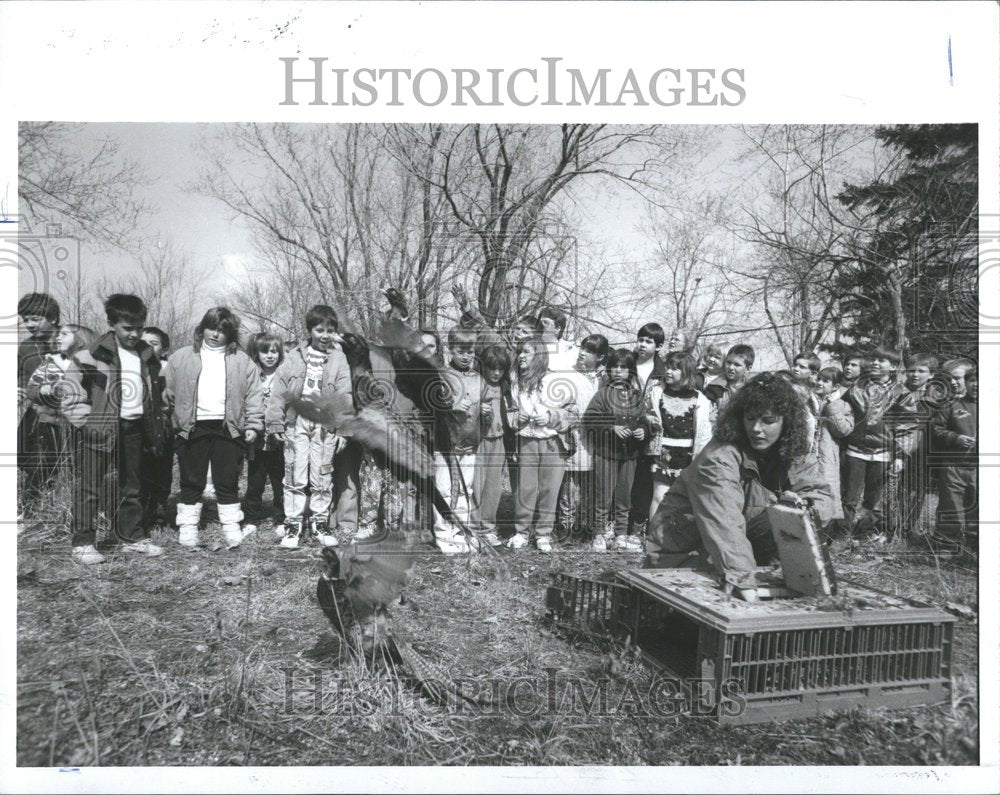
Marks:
<point>767,392</point>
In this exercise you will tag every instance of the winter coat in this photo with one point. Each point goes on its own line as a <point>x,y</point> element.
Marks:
<point>719,392</point>
<point>885,419</point>
<point>31,352</point>
<point>553,397</point>
<point>93,393</point>
<point>702,377</point>
<point>959,418</point>
<point>51,372</point>
<point>836,417</point>
<point>291,377</point>
<point>586,386</point>
<point>244,397</point>
<point>835,422</point>
<point>722,491</point>
<point>616,405</point>
<point>497,424</point>
<point>654,383</point>
<point>465,387</point>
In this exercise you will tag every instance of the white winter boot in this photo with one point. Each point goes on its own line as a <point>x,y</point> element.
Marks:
<point>188,517</point>
<point>231,516</point>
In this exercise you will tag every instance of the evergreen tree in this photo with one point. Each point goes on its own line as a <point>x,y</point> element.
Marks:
<point>913,277</point>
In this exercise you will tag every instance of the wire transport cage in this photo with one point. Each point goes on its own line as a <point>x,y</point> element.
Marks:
<point>775,660</point>
<point>598,608</point>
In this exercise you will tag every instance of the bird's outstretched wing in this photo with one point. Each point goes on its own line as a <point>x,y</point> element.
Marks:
<point>364,579</point>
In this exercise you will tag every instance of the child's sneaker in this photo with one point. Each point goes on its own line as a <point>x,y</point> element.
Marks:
<point>621,545</point>
<point>492,539</point>
<point>293,529</point>
<point>364,531</point>
<point>144,547</point>
<point>517,541</point>
<point>319,530</point>
<point>87,555</point>
<point>451,544</point>
<point>249,529</point>
<point>543,544</point>
<point>633,544</point>
<point>599,544</point>
<point>279,530</point>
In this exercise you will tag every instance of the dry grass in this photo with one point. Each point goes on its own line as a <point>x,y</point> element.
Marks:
<point>161,662</point>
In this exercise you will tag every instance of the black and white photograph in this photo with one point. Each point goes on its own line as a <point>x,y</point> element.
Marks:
<point>480,443</point>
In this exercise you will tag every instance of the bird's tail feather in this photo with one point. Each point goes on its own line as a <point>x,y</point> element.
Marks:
<point>433,679</point>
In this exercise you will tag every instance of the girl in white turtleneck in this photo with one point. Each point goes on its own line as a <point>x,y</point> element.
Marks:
<point>215,393</point>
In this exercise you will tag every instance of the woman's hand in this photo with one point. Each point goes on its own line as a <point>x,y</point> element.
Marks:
<point>279,437</point>
<point>791,498</point>
<point>523,419</point>
<point>746,594</point>
<point>897,466</point>
<point>639,433</point>
<point>541,420</point>
<point>622,432</point>
<point>250,436</point>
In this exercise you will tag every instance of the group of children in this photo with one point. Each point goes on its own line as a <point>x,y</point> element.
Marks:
<point>886,436</point>
<point>117,401</point>
<point>591,437</point>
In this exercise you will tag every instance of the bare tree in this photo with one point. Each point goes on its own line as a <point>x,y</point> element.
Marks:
<point>92,192</point>
<point>333,213</point>
<point>686,282</point>
<point>503,185</point>
<point>800,239</point>
<point>168,282</point>
<point>275,295</point>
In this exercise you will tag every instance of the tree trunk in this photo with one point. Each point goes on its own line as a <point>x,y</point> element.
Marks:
<point>899,316</point>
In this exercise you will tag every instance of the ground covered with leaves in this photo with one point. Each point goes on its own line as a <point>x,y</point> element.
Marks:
<point>215,657</point>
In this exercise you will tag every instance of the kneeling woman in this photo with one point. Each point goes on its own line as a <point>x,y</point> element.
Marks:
<point>760,451</point>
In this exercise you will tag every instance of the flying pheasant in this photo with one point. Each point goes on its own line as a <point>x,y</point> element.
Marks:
<point>397,394</point>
